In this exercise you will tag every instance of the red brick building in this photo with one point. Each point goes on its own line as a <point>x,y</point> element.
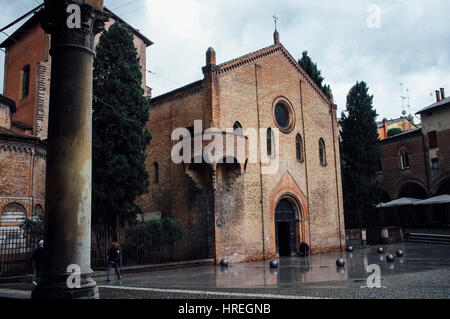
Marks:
<point>22,170</point>
<point>27,73</point>
<point>246,214</point>
<point>417,163</point>
<point>24,116</point>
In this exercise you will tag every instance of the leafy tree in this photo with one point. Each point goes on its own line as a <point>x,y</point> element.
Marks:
<point>159,231</point>
<point>313,71</point>
<point>394,131</point>
<point>360,152</point>
<point>120,136</point>
<point>34,225</point>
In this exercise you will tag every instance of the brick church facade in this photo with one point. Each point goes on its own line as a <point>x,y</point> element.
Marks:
<point>24,117</point>
<point>248,215</point>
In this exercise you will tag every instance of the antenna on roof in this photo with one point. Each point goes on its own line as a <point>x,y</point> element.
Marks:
<point>403,101</point>
<point>408,105</point>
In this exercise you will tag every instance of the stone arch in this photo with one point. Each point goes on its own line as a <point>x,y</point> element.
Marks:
<point>13,213</point>
<point>288,189</point>
<point>411,188</point>
<point>441,186</point>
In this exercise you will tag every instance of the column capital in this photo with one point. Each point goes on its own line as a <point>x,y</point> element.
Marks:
<point>55,18</point>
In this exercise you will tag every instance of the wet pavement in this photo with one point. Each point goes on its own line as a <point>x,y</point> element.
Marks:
<point>423,272</point>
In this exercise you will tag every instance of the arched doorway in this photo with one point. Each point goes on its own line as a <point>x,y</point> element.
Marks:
<point>412,190</point>
<point>285,228</point>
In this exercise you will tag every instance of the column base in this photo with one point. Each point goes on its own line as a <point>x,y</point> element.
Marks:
<point>55,287</point>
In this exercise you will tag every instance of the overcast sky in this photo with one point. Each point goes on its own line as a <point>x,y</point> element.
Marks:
<point>408,42</point>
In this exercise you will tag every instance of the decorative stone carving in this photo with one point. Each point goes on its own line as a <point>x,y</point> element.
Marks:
<point>54,21</point>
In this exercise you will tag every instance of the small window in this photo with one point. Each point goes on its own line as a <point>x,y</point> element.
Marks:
<point>270,140</point>
<point>432,139</point>
<point>155,173</point>
<point>435,163</point>
<point>322,153</point>
<point>25,81</point>
<point>299,147</point>
<point>404,160</point>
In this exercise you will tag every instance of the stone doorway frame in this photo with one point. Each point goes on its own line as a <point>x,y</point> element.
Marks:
<point>287,188</point>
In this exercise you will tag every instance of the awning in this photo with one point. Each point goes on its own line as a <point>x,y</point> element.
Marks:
<point>405,201</point>
<point>443,199</point>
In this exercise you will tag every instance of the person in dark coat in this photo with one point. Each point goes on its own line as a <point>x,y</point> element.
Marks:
<point>38,259</point>
<point>304,249</point>
<point>113,261</point>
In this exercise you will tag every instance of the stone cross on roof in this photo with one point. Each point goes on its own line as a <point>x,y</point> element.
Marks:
<point>275,19</point>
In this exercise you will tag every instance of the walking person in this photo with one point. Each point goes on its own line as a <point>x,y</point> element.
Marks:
<point>38,259</point>
<point>113,261</point>
<point>304,249</point>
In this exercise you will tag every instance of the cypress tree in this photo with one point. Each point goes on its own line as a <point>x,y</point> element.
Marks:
<point>313,71</point>
<point>120,136</point>
<point>360,154</point>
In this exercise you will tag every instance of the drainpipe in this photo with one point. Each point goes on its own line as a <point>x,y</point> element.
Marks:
<point>305,157</point>
<point>260,164</point>
<point>335,170</point>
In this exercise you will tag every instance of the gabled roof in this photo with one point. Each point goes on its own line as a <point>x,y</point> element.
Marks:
<point>22,30</point>
<point>239,62</point>
<point>31,22</point>
<point>262,53</point>
<point>441,103</point>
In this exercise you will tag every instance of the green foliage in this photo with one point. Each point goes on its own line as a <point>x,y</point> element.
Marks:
<point>34,225</point>
<point>360,150</point>
<point>394,131</point>
<point>120,136</point>
<point>159,232</point>
<point>313,71</point>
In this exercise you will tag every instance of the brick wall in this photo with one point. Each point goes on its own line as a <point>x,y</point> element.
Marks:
<point>22,171</point>
<point>244,90</point>
<point>5,116</point>
<point>394,177</point>
<point>35,42</point>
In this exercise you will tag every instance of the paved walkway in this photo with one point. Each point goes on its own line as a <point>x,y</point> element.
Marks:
<point>423,272</point>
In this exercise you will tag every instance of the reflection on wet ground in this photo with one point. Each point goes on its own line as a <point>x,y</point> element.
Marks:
<point>313,271</point>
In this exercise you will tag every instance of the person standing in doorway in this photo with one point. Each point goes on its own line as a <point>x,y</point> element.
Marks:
<point>113,261</point>
<point>38,259</point>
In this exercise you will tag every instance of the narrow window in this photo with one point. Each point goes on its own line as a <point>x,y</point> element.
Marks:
<point>322,153</point>
<point>156,173</point>
<point>25,81</point>
<point>404,160</point>
<point>435,163</point>
<point>237,127</point>
<point>432,139</point>
<point>270,138</point>
<point>299,147</point>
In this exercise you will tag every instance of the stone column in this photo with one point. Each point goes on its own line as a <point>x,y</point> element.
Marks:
<point>69,153</point>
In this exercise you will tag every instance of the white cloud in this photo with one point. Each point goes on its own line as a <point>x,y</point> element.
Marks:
<point>411,46</point>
